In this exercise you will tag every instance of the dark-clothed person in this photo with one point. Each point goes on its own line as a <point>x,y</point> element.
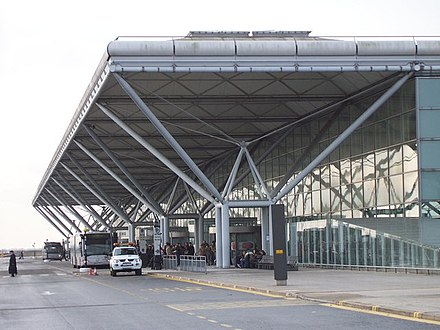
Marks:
<point>12,264</point>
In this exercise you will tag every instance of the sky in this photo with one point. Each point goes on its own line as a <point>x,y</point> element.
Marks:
<point>49,50</point>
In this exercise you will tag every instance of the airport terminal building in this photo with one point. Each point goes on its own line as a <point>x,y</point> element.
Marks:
<point>202,135</point>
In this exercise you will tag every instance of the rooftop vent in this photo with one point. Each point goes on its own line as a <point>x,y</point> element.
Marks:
<point>247,34</point>
<point>218,34</point>
<point>280,34</point>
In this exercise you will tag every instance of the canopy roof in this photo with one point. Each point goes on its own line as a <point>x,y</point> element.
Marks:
<point>212,92</point>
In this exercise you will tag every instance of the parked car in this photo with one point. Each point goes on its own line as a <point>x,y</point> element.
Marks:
<point>125,259</point>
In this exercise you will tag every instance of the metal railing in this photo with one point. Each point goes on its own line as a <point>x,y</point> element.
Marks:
<point>187,263</point>
<point>385,269</point>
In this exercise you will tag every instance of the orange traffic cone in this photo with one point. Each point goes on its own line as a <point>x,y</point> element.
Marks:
<point>90,271</point>
<point>95,272</point>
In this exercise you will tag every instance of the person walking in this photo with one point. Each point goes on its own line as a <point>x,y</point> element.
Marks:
<point>12,264</point>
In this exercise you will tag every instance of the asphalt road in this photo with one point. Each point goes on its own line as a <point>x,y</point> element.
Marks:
<point>52,295</point>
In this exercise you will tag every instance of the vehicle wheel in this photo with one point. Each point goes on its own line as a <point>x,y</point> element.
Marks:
<point>138,271</point>
<point>112,272</point>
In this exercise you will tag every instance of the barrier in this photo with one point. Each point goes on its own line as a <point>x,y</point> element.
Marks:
<point>195,264</point>
<point>169,262</point>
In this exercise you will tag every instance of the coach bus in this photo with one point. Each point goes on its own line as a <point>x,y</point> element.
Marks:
<point>90,249</point>
<point>52,251</point>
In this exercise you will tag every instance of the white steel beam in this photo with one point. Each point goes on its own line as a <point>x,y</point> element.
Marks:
<point>116,177</point>
<point>231,179</point>
<point>70,208</point>
<point>167,136</point>
<point>151,202</point>
<point>50,221</point>
<point>109,203</point>
<point>79,200</point>
<point>157,154</point>
<point>62,214</point>
<point>364,116</point>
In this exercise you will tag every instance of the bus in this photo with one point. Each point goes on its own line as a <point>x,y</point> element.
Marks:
<point>52,251</point>
<point>90,249</point>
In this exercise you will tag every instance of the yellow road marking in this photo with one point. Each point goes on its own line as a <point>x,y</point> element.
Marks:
<point>219,286</point>
<point>374,310</point>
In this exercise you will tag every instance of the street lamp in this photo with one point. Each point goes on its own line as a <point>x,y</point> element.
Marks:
<point>33,245</point>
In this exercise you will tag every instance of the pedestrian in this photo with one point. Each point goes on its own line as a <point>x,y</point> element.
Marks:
<point>12,264</point>
<point>191,249</point>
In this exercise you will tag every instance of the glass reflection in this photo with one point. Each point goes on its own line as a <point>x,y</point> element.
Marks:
<point>395,159</point>
<point>382,195</point>
<point>370,193</point>
<point>381,163</point>
<point>396,189</point>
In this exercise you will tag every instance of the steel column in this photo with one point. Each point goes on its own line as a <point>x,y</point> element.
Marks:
<point>265,229</point>
<point>269,209</point>
<point>226,244</point>
<point>165,229</point>
<point>199,228</point>
<point>218,236</point>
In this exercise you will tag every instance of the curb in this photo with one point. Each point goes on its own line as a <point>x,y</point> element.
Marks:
<point>386,310</point>
<point>354,305</point>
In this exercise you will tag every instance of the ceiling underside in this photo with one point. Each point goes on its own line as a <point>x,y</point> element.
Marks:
<point>209,113</point>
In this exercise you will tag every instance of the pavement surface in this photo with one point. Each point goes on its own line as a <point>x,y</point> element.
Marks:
<point>409,295</point>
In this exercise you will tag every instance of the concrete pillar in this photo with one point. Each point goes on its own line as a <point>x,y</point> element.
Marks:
<point>218,236</point>
<point>131,234</point>
<point>393,263</point>
<point>373,251</point>
<point>165,229</point>
<point>328,229</point>
<point>200,230</point>
<point>293,240</point>
<point>270,231</point>
<point>341,241</point>
<point>226,248</point>
<point>265,238</point>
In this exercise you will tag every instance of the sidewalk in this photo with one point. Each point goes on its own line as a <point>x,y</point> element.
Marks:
<point>409,295</point>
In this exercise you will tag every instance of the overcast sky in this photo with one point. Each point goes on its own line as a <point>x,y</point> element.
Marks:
<point>50,49</point>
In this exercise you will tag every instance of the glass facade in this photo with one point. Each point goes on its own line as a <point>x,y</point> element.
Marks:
<point>333,242</point>
<point>361,205</point>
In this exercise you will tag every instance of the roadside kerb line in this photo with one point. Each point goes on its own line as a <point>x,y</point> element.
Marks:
<point>272,294</point>
<point>396,313</point>
<point>389,312</point>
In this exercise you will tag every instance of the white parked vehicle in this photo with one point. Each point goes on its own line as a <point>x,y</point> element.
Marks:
<point>125,259</point>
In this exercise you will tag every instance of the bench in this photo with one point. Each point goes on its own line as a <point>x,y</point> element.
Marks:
<point>266,262</point>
